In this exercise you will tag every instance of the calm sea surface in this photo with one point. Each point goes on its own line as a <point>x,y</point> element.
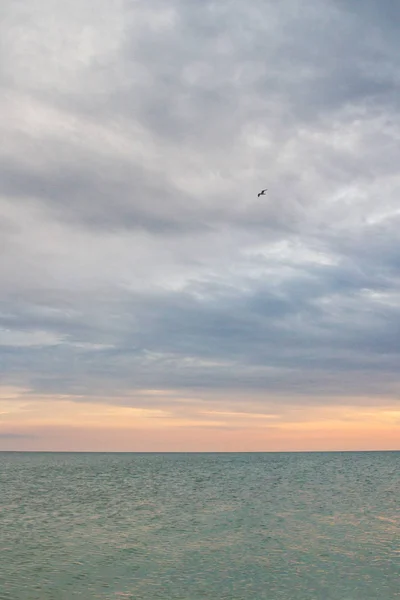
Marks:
<point>302,526</point>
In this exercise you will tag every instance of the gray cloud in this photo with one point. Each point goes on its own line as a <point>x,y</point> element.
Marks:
<point>135,251</point>
<point>15,436</point>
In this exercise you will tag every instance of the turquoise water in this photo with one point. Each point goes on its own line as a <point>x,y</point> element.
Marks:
<point>200,526</point>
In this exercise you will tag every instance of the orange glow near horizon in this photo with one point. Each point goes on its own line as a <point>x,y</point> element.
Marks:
<point>29,422</point>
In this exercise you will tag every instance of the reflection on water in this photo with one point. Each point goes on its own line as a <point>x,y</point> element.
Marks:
<point>304,526</point>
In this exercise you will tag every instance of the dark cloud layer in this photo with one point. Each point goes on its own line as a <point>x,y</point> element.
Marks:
<point>135,253</point>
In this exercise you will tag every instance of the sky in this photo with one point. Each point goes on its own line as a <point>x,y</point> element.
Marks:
<point>149,300</point>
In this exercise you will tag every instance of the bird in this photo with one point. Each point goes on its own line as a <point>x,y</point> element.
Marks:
<point>262,193</point>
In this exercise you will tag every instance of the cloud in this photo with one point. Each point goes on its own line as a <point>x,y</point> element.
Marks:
<point>135,253</point>
<point>15,436</point>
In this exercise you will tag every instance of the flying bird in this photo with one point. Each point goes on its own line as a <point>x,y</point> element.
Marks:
<point>262,193</point>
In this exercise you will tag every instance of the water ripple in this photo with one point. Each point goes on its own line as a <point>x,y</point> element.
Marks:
<point>205,526</point>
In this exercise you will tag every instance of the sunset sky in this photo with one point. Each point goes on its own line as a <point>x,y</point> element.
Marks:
<point>149,301</point>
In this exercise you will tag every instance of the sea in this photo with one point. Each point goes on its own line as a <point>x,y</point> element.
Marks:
<point>265,526</point>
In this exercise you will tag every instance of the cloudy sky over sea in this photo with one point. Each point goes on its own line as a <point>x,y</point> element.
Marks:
<point>149,300</point>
